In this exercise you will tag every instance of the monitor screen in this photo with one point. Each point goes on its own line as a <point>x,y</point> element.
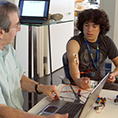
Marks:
<point>34,9</point>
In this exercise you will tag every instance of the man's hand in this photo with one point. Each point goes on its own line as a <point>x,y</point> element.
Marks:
<point>83,82</point>
<point>57,116</point>
<point>48,90</point>
<point>111,78</point>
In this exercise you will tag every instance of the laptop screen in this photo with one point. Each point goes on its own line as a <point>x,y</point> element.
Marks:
<point>33,10</point>
<point>93,97</point>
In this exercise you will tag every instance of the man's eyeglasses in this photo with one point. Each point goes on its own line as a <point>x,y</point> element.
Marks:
<point>17,26</point>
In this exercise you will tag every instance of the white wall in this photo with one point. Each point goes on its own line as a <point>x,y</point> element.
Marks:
<point>22,47</point>
<point>61,33</point>
<point>111,8</point>
<point>13,1</point>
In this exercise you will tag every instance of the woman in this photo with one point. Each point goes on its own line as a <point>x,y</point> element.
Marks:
<point>88,51</point>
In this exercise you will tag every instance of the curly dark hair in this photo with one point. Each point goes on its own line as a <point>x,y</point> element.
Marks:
<point>94,15</point>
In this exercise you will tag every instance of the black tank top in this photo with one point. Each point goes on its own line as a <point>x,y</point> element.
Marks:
<point>85,61</point>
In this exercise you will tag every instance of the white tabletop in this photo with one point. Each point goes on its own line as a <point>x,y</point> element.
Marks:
<point>110,110</point>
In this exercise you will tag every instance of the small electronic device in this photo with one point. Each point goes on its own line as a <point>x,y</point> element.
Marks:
<point>50,109</point>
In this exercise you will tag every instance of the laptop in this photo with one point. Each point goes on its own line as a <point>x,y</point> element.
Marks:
<point>57,106</point>
<point>34,11</point>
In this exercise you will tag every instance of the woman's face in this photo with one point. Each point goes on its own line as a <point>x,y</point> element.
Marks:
<point>91,31</point>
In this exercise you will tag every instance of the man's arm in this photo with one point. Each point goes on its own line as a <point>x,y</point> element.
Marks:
<point>29,86</point>
<point>9,112</point>
<point>72,53</point>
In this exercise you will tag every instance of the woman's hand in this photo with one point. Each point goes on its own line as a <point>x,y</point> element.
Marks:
<point>83,82</point>
<point>111,78</point>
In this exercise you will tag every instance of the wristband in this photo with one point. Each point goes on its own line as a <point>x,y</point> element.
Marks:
<point>37,90</point>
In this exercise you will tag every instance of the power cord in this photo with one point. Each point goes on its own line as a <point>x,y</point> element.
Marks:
<point>67,81</point>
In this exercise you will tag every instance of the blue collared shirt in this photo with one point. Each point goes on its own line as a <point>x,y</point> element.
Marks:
<point>10,75</point>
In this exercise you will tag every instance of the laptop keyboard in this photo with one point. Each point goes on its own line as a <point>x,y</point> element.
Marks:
<point>71,108</point>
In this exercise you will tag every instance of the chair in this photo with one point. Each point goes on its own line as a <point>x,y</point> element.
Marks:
<point>66,67</point>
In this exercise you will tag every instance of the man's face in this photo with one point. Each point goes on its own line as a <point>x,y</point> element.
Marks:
<point>91,31</point>
<point>8,37</point>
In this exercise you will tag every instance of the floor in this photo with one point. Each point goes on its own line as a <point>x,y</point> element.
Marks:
<point>55,77</point>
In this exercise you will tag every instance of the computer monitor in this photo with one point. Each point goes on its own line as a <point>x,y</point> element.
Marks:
<point>33,11</point>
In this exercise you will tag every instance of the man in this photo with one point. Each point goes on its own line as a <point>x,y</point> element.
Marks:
<point>12,79</point>
<point>88,51</point>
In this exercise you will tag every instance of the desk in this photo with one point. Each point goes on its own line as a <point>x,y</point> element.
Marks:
<point>110,110</point>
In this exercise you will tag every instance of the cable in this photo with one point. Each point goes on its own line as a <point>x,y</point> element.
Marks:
<point>77,96</point>
<point>72,90</point>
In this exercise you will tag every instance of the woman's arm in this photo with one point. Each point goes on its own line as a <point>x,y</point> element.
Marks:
<point>112,75</point>
<point>72,53</point>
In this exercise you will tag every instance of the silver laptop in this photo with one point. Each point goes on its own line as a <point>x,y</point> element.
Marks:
<point>34,11</point>
<point>62,107</point>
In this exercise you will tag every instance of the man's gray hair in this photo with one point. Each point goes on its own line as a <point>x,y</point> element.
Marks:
<point>6,8</point>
